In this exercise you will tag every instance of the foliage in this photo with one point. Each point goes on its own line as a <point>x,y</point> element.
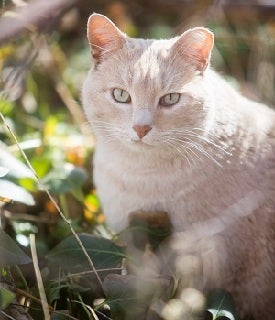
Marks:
<point>69,256</point>
<point>41,76</point>
<point>6,298</point>
<point>10,253</point>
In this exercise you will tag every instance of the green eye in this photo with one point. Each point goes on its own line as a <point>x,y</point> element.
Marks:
<point>169,99</point>
<point>121,96</point>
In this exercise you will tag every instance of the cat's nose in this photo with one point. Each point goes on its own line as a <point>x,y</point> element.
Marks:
<point>142,130</point>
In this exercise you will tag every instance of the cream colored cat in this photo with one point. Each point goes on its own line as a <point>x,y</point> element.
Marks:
<point>173,136</point>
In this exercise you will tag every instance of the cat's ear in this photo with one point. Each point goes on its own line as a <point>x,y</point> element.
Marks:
<point>104,37</point>
<point>196,45</point>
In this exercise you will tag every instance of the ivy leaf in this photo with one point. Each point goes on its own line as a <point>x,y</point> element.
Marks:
<point>6,298</point>
<point>104,253</point>
<point>10,253</point>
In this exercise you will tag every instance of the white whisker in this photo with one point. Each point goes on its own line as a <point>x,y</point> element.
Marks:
<point>203,151</point>
<point>184,138</point>
<point>111,132</point>
<point>184,155</point>
<point>183,134</point>
<point>179,144</point>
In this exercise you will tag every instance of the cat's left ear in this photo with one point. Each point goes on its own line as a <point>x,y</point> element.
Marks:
<point>196,45</point>
<point>104,36</point>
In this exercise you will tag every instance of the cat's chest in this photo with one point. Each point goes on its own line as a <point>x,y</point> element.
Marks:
<point>124,187</point>
<point>150,179</point>
<point>189,194</point>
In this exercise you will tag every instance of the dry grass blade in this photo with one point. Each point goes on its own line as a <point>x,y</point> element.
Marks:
<point>87,307</point>
<point>40,285</point>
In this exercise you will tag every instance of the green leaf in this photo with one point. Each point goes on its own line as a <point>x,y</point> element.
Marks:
<point>28,184</point>
<point>41,166</point>
<point>10,252</point>
<point>3,171</point>
<point>221,314</point>
<point>5,106</point>
<point>77,176</point>
<point>103,252</point>
<point>6,298</point>
<point>53,293</point>
<point>65,179</point>
<point>129,297</point>
<point>76,179</point>
<point>16,168</point>
<point>61,315</point>
<point>220,305</point>
<point>12,191</point>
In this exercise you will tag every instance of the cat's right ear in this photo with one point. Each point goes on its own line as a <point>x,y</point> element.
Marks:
<point>104,37</point>
<point>196,45</point>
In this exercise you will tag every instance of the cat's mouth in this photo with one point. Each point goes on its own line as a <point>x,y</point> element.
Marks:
<point>139,143</point>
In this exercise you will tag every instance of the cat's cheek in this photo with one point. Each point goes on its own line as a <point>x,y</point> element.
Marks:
<point>98,115</point>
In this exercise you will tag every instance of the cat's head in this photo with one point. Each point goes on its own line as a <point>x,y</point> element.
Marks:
<point>143,93</point>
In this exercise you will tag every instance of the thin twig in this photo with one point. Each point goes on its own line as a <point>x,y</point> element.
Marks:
<point>26,217</point>
<point>42,293</point>
<point>80,274</point>
<point>68,222</point>
<point>6,315</point>
<point>84,305</point>
<point>26,294</point>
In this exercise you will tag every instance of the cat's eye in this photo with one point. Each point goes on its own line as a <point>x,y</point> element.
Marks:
<point>121,96</point>
<point>169,99</point>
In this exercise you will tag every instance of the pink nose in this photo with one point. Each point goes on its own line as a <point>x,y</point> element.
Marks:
<point>142,130</point>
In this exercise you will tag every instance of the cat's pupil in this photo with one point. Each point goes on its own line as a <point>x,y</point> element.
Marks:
<point>169,99</point>
<point>121,96</point>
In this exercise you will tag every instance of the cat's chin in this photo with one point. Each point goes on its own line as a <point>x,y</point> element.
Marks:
<point>139,144</point>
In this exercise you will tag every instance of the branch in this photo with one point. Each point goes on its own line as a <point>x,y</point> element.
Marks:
<point>38,15</point>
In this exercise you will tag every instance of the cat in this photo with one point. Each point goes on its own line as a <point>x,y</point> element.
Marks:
<point>173,136</point>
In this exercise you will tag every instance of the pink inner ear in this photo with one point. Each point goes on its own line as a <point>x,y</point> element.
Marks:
<point>205,48</point>
<point>103,35</point>
<point>196,44</point>
<point>100,42</point>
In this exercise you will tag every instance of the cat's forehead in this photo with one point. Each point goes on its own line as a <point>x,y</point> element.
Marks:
<point>149,46</point>
<point>149,52</point>
<point>148,61</point>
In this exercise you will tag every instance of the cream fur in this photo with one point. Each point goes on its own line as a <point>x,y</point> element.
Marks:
<point>209,161</point>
